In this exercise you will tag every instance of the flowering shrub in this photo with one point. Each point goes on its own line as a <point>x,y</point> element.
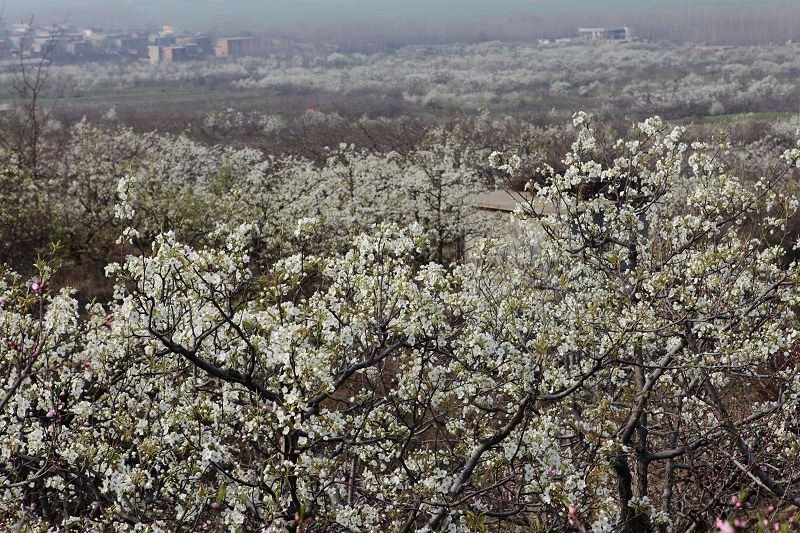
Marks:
<point>176,182</point>
<point>632,374</point>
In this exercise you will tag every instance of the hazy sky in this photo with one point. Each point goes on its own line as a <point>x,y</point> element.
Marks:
<point>255,14</point>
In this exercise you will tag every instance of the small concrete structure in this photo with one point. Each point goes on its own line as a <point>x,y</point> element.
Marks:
<point>495,217</point>
<point>501,200</point>
<point>495,210</point>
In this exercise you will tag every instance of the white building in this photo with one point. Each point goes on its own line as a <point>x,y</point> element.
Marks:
<point>622,33</point>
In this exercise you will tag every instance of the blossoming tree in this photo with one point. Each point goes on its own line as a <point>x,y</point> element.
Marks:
<point>631,364</point>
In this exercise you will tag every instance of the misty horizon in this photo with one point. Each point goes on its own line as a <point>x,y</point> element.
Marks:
<point>251,15</point>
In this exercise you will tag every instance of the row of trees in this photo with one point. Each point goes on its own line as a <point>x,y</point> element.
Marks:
<point>641,78</point>
<point>629,363</point>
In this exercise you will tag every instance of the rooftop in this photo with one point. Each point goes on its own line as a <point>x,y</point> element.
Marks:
<point>506,201</point>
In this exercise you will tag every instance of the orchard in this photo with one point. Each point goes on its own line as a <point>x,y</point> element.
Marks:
<point>309,348</point>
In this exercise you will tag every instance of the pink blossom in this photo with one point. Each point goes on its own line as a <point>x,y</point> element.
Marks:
<point>572,518</point>
<point>740,523</point>
<point>723,526</point>
<point>735,501</point>
<point>51,413</point>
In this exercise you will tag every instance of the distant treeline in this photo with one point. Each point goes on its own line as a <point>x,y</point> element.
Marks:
<point>728,24</point>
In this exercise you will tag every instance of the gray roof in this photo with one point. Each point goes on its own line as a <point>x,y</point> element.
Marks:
<point>504,201</point>
<point>501,200</point>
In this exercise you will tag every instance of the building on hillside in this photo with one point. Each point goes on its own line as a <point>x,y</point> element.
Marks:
<point>167,40</point>
<point>154,54</point>
<point>233,47</point>
<point>80,48</point>
<point>21,28</point>
<point>20,44</point>
<point>52,47</point>
<point>622,33</point>
<point>129,44</point>
<point>203,42</point>
<point>174,54</point>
